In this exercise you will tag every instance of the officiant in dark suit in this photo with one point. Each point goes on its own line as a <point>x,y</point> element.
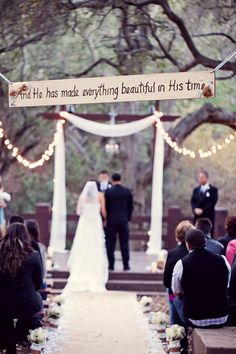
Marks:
<point>104,181</point>
<point>119,208</point>
<point>204,199</point>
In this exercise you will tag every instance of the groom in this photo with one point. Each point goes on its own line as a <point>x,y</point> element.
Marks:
<point>119,207</point>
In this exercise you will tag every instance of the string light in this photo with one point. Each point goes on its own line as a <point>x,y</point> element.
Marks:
<point>188,152</point>
<point>48,153</point>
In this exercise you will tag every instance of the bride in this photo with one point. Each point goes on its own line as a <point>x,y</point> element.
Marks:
<point>88,260</point>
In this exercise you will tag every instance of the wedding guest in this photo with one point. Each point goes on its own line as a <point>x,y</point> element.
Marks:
<point>32,227</point>
<point>104,181</point>
<point>16,218</point>
<point>4,197</point>
<point>230,227</point>
<point>20,280</point>
<point>200,282</point>
<point>231,251</point>
<point>232,296</point>
<point>204,199</point>
<point>173,256</point>
<point>205,226</point>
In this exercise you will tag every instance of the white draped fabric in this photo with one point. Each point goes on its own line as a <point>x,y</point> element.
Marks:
<point>155,240</point>
<point>58,235</point>
<point>58,226</point>
<point>109,130</point>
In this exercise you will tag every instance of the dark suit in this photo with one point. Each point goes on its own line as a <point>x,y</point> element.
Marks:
<point>205,201</point>
<point>119,207</point>
<point>173,256</point>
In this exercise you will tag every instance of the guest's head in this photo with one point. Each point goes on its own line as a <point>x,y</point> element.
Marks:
<point>103,176</point>
<point>32,227</point>
<point>230,225</point>
<point>116,178</point>
<point>16,218</point>
<point>205,225</point>
<point>195,239</point>
<point>181,230</point>
<point>14,249</point>
<point>203,177</point>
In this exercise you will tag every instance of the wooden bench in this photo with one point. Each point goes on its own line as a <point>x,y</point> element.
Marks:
<point>214,341</point>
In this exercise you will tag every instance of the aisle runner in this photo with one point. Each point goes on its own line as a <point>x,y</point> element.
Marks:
<point>102,323</point>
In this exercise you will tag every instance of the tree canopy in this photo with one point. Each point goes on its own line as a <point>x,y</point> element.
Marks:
<point>80,38</point>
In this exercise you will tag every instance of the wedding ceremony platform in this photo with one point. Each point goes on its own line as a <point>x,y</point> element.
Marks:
<point>139,279</point>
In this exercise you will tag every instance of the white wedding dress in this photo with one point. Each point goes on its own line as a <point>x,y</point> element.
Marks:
<point>88,263</point>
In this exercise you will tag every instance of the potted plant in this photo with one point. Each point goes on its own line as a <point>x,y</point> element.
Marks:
<point>58,300</point>
<point>160,320</point>
<point>174,335</point>
<point>54,314</point>
<point>37,338</point>
<point>146,302</point>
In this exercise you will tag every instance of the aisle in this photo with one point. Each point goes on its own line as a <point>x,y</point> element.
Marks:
<point>102,323</point>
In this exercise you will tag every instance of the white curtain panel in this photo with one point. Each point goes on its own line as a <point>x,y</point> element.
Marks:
<point>58,225</point>
<point>155,240</point>
<point>58,231</point>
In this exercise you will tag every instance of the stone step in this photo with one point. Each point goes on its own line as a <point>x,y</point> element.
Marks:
<point>121,285</point>
<point>115,276</point>
<point>55,292</point>
<point>132,285</point>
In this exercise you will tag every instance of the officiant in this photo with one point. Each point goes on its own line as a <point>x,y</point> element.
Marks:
<point>204,199</point>
<point>104,181</point>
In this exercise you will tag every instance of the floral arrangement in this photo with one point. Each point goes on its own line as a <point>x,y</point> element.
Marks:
<point>38,335</point>
<point>145,301</point>
<point>58,300</point>
<point>175,333</point>
<point>160,318</point>
<point>54,312</point>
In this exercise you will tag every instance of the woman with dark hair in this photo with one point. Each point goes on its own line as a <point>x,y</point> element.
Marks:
<point>34,233</point>
<point>20,279</point>
<point>230,227</point>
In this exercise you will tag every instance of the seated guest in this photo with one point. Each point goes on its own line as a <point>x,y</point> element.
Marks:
<point>200,282</point>
<point>205,225</point>
<point>232,296</point>
<point>173,256</point>
<point>231,251</point>
<point>20,280</point>
<point>16,218</point>
<point>34,233</point>
<point>230,227</point>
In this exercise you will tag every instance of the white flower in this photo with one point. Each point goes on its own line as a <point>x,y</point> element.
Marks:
<point>38,335</point>
<point>54,312</point>
<point>175,332</point>
<point>160,318</point>
<point>146,301</point>
<point>59,300</point>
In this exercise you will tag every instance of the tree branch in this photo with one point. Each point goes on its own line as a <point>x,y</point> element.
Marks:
<point>216,34</point>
